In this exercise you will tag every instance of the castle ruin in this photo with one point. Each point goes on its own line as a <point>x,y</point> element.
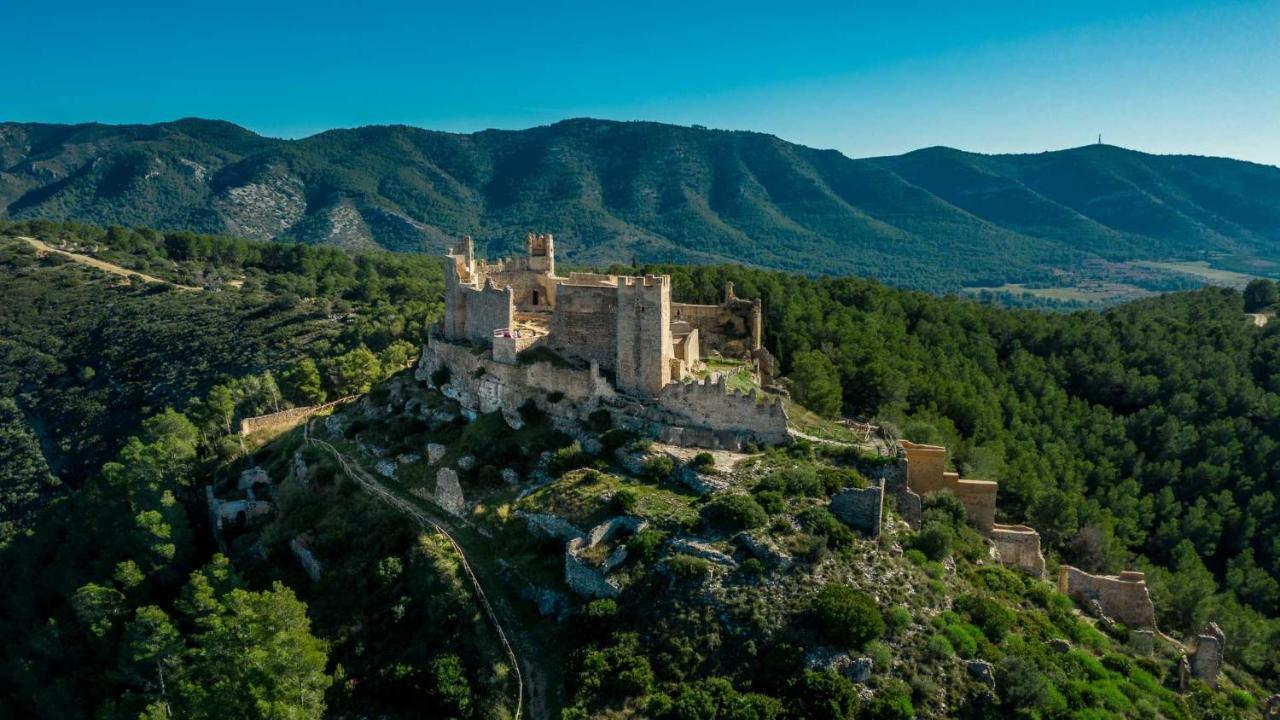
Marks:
<point>601,340</point>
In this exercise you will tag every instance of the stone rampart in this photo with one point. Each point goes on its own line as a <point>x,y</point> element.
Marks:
<point>860,508</point>
<point>710,405</point>
<point>285,419</point>
<point>583,323</point>
<point>927,473</point>
<point>1018,546</point>
<point>489,308</point>
<point>1123,597</point>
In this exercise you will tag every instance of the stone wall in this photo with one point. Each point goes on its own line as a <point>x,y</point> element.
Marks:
<point>583,323</point>
<point>860,508</point>
<point>926,473</point>
<point>644,334</point>
<point>488,309</point>
<point>712,406</point>
<point>731,328</point>
<point>1123,597</point>
<point>285,419</point>
<point>1018,546</point>
<point>1206,661</point>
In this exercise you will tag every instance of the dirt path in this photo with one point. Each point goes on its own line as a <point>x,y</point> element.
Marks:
<point>42,248</point>
<point>527,660</point>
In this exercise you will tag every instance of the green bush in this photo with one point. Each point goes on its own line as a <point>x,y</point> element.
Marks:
<point>892,701</point>
<point>570,457</point>
<point>939,647</point>
<point>934,541</point>
<point>703,461</point>
<point>819,521</point>
<point>624,501</point>
<point>772,501</point>
<point>825,696</point>
<point>658,468</point>
<point>896,620</point>
<point>734,512</point>
<point>846,617</point>
<point>993,618</point>
<point>688,566</point>
<point>615,439</point>
<point>645,544</point>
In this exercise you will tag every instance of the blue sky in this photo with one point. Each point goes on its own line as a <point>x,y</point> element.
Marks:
<point>866,79</point>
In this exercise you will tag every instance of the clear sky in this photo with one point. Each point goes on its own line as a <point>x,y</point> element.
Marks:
<point>866,79</point>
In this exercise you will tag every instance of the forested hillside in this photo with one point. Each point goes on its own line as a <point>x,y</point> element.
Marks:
<point>1147,434</point>
<point>86,358</point>
<point>934,219</point>
<point>1144,436</point>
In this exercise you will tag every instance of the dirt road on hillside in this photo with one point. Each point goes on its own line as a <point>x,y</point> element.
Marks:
<point>42,248</point>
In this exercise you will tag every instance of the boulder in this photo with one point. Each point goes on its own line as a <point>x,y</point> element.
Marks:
<point>1059,645</point>
<point>467,463</point>
<point>510,476</point>
<point>448,493</point>
<point>386,468</point>
<point>435,452</point>
<point>408,458</point>
<point>1271,709</point>
<point>512,418</point>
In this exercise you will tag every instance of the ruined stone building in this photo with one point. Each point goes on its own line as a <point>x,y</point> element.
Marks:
<point>628,326</point>
<point>597,338</point>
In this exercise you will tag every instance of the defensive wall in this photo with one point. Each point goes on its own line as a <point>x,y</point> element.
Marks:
<point>927,473</point>
<point>1123,597</point>
<point>698,414</point>
<point>732,328</point>
<point>1019,546</point>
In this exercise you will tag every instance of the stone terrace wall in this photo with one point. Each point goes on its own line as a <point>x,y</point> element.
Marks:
<point>1123,597</point>
<point>1019,546</point>
<point>584,323</point>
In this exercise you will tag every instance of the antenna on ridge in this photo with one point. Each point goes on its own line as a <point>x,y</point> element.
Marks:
<point>1099,138</point>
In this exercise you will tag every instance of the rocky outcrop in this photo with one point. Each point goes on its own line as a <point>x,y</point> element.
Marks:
<point>435,452</point>
<point>591,579</point>
<point>763,548</point>
<point>550,526</point>
<point>310,565</point>
<point>448,494</point>
<point>702,550</point>
<point>982,672</point>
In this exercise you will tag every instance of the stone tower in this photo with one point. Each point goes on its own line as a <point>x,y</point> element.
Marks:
<point>644,344</point>
<point>541,251</point>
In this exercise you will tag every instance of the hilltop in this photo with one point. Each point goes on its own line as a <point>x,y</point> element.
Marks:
<point>934,219</point>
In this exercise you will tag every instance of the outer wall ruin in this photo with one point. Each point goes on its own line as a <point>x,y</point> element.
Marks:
<point>1123,597</point>
<point>927,473</point>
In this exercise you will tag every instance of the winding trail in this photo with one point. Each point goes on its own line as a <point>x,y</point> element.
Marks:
<point>528,663</point>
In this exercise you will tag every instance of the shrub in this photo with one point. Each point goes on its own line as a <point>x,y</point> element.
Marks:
<point>772,501</point>
<point>688,566</point>
<point>891,702</point>
<point>835,479</point>
<point>934,541</point>
<point>819,521</point>
<point>569,457</point>
<point>734,512</point>
<point>703,462</point>
<point>645,544</point>
<point>825,696</point>
<point>993,618</point>
<point>792,482</point>
<point>939,647</point>
<point>600,420</point>
<point>896,620</point>
<point>1023,687</point>
<point>601,609</point>
<point>659,468</point>
<point>915,556</point>
<point>624,501</point>
<point>847,617</point>
<point>965,644</point>
<point>615,439</point>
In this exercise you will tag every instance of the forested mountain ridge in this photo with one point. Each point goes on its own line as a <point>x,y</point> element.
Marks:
<point>613,191</point>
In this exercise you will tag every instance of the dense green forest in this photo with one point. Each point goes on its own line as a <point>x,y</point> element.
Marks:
<point>1145,435</point>
<point>934,219</point>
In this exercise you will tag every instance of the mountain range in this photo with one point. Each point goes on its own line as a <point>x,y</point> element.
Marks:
<point>935,218</point>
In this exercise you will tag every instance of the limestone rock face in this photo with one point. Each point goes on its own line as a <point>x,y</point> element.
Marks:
<point>435,452</point>
<point>448,493</point>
